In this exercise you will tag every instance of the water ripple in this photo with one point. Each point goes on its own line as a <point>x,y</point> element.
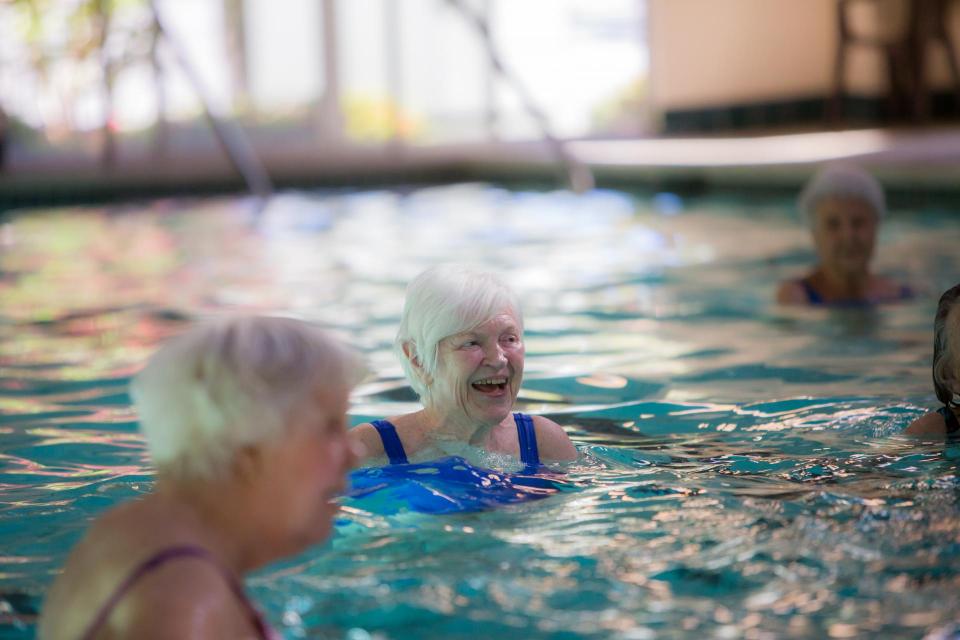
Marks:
<point>741,469</point>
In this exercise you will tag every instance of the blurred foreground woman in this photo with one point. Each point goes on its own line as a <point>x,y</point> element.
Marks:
<point>244,420</point>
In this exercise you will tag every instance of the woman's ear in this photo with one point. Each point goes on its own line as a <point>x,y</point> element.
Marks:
<point>410,351</point>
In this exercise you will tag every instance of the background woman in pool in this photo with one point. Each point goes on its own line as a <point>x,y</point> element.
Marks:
<point>843,205</point>
<point>244,420</point>
<point>946,370</point>
<point>461,346</point>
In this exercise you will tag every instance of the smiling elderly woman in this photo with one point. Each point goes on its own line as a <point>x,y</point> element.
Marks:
<point>461,346</point>
<point>244,420</point>
<point>843,205</point>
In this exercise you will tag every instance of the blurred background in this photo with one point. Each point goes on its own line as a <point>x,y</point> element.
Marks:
<point>105,98</point>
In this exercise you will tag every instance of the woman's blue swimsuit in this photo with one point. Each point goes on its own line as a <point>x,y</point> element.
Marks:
<point>950,419</point>
<point>814,297</point>
<point>527,434</point>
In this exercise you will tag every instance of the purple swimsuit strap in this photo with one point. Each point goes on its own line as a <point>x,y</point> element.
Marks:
<point>157,560</point>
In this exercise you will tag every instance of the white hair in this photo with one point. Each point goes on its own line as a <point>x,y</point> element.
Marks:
<point>443,301</point>
<point>231,383</point>
<point>838,180</point>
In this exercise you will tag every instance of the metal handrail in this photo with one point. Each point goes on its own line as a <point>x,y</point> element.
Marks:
<point>233,140</point>
<point>579,176</point>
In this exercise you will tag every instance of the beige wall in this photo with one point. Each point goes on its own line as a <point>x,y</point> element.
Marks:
<point>707,53</point>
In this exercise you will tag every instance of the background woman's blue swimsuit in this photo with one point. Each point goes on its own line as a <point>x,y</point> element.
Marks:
<point>814,297</point>
<point>527,434</point>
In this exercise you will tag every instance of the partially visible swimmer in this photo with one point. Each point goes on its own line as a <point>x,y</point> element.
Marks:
<point>245,423</point>
<point>843,206</point>
<point>460,343</point>
<point>946,371</point>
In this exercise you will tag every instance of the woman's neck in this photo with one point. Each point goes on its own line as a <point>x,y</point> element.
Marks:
<point>842,285</point>
<point>454,425</point>
<point>211,511</point>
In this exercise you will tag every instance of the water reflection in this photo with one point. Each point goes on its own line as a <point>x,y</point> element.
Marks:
<point>740,475</point>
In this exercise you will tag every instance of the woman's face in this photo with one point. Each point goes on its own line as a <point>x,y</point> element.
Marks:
<point>305,470</point>
<point>844,232</point>
<point>479,371</point>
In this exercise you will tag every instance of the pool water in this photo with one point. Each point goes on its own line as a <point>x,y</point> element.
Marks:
<point>741,471</point>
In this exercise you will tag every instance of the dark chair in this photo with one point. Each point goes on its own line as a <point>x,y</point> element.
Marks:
<point>905,53</point>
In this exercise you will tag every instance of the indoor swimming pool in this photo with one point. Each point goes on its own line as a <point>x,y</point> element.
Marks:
<point>741,469</point>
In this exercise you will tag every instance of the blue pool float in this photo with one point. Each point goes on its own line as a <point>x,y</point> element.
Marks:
<point>447,485</point>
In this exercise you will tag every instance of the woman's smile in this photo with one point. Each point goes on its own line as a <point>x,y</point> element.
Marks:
<point>493,386</point>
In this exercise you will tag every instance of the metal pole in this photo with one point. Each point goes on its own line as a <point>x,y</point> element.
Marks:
<point>231,137</point>
<point>490,86</point>
<point>331,119</point>
<point>108,150</point>
<point>394,70</point>
<point>579,176</point>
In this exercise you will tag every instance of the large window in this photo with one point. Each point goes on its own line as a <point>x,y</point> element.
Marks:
<point>358,71</point>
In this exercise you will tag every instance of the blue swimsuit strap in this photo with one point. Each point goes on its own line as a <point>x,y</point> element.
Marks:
<point>527,434</point>
<point>950,419</point>
<point>812,296</point>
<point>391,441</point>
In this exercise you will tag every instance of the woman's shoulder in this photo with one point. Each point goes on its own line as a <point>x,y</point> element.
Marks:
<point>114,551</point>
<point>886,289</point>
<point>553,443</point>
<point>368,436</point>
<point>930,424</point>
<point>179,597</point>
<point>792,292</point>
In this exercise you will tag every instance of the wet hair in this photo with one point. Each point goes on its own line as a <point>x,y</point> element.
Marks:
<point>945,349</point>
<point>440,302</point>
<point>231,383</point>
<point>839,180</point>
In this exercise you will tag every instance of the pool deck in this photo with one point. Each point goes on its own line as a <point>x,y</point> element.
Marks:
<point>920,159</point>
<point>903,157</point>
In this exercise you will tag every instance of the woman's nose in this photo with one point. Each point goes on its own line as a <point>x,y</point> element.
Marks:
<point>495,355</point>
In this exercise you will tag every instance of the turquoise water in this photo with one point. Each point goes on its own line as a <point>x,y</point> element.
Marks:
<point>741,472</point>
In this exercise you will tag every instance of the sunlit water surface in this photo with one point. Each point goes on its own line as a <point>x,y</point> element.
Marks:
<point>741,470</point>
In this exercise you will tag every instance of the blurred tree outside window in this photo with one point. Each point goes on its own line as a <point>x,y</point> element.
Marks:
<point>78,72</point>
